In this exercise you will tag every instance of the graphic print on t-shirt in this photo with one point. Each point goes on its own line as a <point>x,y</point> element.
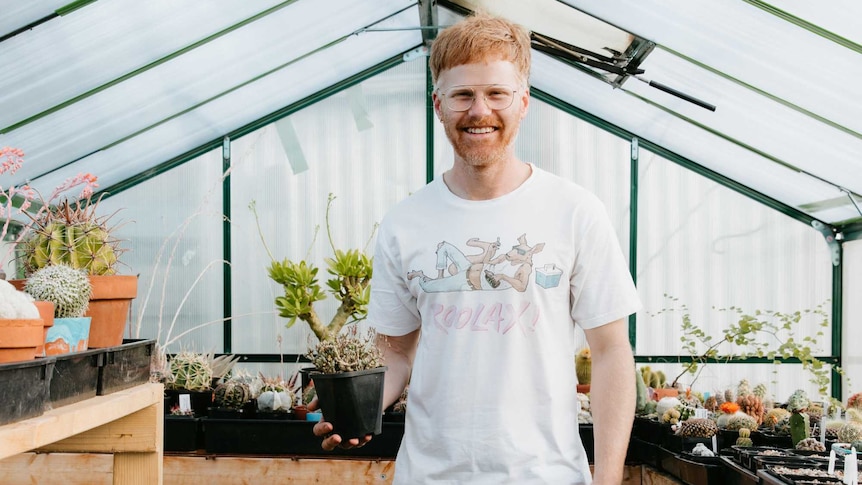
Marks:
<point>457,271</point>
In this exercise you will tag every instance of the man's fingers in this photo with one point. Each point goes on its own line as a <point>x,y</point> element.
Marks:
<point>322,428</point>
<point>330,442</point>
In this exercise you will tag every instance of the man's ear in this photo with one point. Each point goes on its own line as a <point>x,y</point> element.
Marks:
<point>525,102</point>
<point>435,98</point>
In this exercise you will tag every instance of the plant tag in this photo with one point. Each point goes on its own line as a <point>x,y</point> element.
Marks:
<point>831,469</point>
<point>185,403</point>
<point>701,413</point>
<point>714,444</point>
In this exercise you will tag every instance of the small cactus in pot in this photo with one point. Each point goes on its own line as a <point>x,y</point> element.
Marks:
<point>744,437</point>
<point>189,371</point>
<point>67,288</point>
<point>232,394</point>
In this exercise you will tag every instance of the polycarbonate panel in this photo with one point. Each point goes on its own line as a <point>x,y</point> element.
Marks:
<point>18,14</point>
<point>840,17</point>
<point>104,42</point>
<point>777,130</point>
<point>223,66</point>
<point>781,380</point>
<point>752,45</point>
<point>850,352</point>
<point>172,226</point>
<point>244,105</point>
<point>713,248</point>
<point>368,166</point>
<point>683,138</point>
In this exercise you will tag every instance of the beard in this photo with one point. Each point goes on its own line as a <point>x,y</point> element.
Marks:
<point>484,152</point>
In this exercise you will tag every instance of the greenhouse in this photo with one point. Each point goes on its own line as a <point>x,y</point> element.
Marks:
<point>227,148</point>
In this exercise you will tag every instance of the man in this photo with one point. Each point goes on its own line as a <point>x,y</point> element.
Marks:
<point>488,344</point>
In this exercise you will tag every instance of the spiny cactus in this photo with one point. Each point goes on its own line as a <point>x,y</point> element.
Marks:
<point>760,391</point>
<point>584,366</point>
<point>671,416</point>
<point>232,394</point>
<point>798,401</point>
<point>855,401</point>
<point>855,415</point>
<point>740,420</point>
<point>68,288</point>
<point>800,427</point>
<point>849,433</point>
<point>190,371</point>
<point>711,403</point>
<point>346,353</point>
<point>752,406</point>
<point>810,444</point>
<point>71,234</point>
<point>744,437</point>
<point>774,415</point>
<point>642,395</point>
<point>729,396</point>
<point>743,389</point>
<point>698,428</point>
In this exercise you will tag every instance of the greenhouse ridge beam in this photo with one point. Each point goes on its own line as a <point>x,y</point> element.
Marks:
<point>816,29</point>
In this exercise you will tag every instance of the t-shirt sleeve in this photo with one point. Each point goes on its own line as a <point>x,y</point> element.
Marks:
<point>392,309</point>
<point>601,285</point>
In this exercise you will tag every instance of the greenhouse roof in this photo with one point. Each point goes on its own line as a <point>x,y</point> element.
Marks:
<point>757,95</point>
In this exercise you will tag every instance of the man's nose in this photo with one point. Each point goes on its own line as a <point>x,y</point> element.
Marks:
<point>480,105</point>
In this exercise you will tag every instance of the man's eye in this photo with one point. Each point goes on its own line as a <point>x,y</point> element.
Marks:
<point>461,94</point>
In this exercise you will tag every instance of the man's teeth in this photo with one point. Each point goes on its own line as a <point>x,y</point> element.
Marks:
<point>480,130</point>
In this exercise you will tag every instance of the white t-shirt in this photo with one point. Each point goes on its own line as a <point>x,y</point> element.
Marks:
<point>493,391</point>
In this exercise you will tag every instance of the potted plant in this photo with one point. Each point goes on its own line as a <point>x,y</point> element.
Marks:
<point>340,358</point>
<point>72,233</point>
<point>20,325</point>
<point>274,398</point>
<point>192,374</point>
<point>68,289</point>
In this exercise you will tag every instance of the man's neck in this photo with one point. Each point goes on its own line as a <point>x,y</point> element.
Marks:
<point>486,182</point>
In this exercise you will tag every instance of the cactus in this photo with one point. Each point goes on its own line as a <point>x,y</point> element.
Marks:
<point>653,379</point>
<point>849,433</point>
<point>760,391</point>
<point>856,444</point>
<point>189,371</point>
<point>740,420</point>
<point>752,406</point>
<point>728,396</point>
<point>798,401</point>
<point>698,428</point>
<point>584,366</point>
<point>68,288</point>
<point>744,437</point>
<point>71,234</point>
<point>232,394</point>
<point>773,416</point>
<point>855,401</point>
<point>670,416</point>
<point>799,427</point>
<point>346,353</point>
<point>810,444</point>
<point>743,389</point>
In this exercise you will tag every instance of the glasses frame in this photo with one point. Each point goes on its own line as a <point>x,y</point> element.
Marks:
<point>446,103</point>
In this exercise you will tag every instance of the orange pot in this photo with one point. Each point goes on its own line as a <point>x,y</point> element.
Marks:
<point>109,308</point>
<point>46,312</point>
<point>665,392</point>
<point>19,339</point>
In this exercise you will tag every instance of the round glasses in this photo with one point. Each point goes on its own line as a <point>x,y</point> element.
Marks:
<point>496,96</point>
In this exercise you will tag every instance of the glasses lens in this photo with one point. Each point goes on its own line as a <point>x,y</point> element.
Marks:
<point>496,97</point>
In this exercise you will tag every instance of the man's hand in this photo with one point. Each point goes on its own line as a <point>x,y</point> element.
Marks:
<point>330,440</point>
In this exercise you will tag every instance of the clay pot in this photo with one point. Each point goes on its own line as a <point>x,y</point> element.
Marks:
<point>109,308</point>
<point>19,339</point>
<point>46,312</point>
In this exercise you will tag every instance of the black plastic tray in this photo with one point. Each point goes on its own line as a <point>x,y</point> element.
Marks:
<point>24,389</point>
<point>75,376</point>
<point>126,365</point>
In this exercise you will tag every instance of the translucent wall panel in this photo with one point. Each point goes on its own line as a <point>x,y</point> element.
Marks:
<point>713,248</point>
<point>172,225</point>
<point>850,349</point>
<point>366,146</point>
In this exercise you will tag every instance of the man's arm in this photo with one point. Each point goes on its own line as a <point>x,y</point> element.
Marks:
<point>612,399</point>
<point>398,353</point>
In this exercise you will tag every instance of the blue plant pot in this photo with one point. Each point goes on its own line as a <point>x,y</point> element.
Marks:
<point>68,335</point>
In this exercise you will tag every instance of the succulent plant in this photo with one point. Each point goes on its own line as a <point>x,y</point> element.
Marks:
<point>642,394</point>
<point>347,352</point>
<point>774,415</point>
<point>740,420</point>
<point>69,289</point>
<point>800,427</point>
<point>670,416</point>
<point>855,401</point>
<point>850,432</point>
<point>71,234</point>
<point>798,401</point>
<point>743,389</point>
<point>190,371</point>
<point>232,394</point>
<point>698,428</point>
<point>16,304</point>
<point>744,438</point>
<point>711,403</point>
<point>752,406</point>
<point>810,444</point>
<point>584,366</point>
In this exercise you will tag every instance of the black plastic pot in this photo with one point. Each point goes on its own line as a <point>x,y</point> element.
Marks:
<point>352,401</point>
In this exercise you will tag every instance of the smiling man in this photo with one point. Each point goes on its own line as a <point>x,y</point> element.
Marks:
<point>487,343</point>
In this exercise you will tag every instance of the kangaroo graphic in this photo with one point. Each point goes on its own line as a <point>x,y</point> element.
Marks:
<point>480,271</point>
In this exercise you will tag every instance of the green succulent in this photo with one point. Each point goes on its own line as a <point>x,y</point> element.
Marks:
<point>190,371</point>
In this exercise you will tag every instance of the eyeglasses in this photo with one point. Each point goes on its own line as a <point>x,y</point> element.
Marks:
<point>497,96</point>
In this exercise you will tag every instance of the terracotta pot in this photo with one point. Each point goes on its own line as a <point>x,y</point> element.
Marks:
<point>665,392</point>
<point>583,388</point>
<point>109,308</point>
<point>46,311</point>
<point>19,339</point>
<point>18,284</point>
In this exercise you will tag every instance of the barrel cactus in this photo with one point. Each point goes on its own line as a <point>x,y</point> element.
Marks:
<point>68,288</point>
<point>584,366</point>
<point>698,428</point>
<point>855,401</point>
<point>774,415</point>
<point>741,420</point>
<point>798,401</point>
<point>810,444</point>
<point>752,406</point>
<point>850,432</point>
<point>232,394</point>
<point>190,371</point>
<point>71,234</point>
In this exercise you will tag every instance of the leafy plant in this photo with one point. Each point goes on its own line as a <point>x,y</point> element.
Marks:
<point>745,332</point>
<point>350,284</point>
<point>347,352</point>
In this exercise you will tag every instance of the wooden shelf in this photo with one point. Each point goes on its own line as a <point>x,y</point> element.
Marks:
<point>126,423</point>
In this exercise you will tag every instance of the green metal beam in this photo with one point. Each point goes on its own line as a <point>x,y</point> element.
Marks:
<point>837,321</point>
<point>633,229</point>
<point>71,7</point>
<point>430,119</point>
<point>227,306</point>
<point>799,22</point>
<point>684,359</point>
